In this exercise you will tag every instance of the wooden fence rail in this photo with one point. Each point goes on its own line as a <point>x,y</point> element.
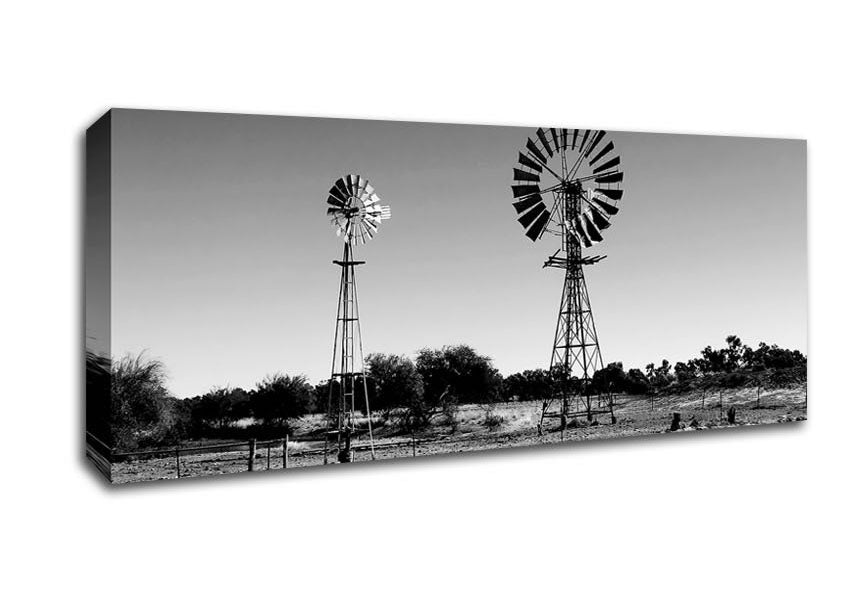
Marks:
<point>253,449</point>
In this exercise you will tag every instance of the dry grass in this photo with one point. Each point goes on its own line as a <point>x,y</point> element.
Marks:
<point>475,429</point>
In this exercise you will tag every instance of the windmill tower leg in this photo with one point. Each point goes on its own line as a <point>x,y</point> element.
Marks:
<point>576,353</point>
<point>348,390</point>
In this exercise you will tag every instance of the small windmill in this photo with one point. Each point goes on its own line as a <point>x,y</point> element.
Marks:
<point>355,211</point>
<point>567,183</point>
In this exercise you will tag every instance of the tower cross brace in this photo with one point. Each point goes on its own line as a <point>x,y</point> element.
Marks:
<point>347,382</point>
<point>576,353</point>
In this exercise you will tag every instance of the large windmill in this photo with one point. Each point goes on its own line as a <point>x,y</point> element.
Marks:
<point>355,211</point>
<point>567,184</point>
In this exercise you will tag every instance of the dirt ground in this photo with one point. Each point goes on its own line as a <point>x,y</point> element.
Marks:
<point>513,425</point>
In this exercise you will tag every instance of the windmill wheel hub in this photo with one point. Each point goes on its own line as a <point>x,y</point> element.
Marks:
<point>573,187</point>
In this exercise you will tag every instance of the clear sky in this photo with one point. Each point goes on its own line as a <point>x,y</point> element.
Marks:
<point>222,252</point>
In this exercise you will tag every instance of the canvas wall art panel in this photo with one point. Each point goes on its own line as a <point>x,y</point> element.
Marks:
<point>272,292</point>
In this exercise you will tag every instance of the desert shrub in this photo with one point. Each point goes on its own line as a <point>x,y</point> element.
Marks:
<point>143,413</point>
<point>450,410</point>
<point>528,385</point>
<point>467,376</point>
<point>394,382</point>
<point>280,398</point>
<point>219,408</point>
<point>636,382</point>
<point>492,421</point>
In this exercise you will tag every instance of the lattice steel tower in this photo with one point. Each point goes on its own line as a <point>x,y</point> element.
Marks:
<point>582,199</point>
<point>355,211</point>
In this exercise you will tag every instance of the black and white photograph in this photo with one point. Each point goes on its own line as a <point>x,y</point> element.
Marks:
<point>450,299</point>
<point>473,287</point>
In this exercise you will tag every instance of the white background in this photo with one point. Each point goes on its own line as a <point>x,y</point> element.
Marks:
<point>731,514</point>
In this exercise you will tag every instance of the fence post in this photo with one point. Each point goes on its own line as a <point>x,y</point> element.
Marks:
<point>286,452</point>
<point>268,463</point>
<point>177,452</point>
<point>251,455</point>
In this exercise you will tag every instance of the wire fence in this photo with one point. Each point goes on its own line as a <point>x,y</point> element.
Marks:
<point>192,460</point>
<point>243,456</point>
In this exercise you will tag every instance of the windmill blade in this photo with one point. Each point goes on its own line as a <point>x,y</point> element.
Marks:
<point>373,200</point>
<point>334,191</point>
<point>598,219</point>
<point>520,175</point>
<point>595,142</point>
<point>519,191</point>
<point>607,165</point>
<point>607,149</point>
<point>610,178</point>
<point>334,198</point>
<point>591,229</point>
<point>335,203</point>
<point>585,137</point>
<point>543,138</point>
<point>531,215</point>
<point>613,194</point>
<point>386,213</point>
<point>536,152</point>
<point>371,225</point>
<point>606,207</point>
<point>341,186</point>
<point>537,228</point>
<point>580,236</point>
<point>574,139</point>
<point>360,186</point>
<point>527,203</point>
<point>581,233</point>
<point>563,138</point>
<point>555,135</point>
<point>525,160</point>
